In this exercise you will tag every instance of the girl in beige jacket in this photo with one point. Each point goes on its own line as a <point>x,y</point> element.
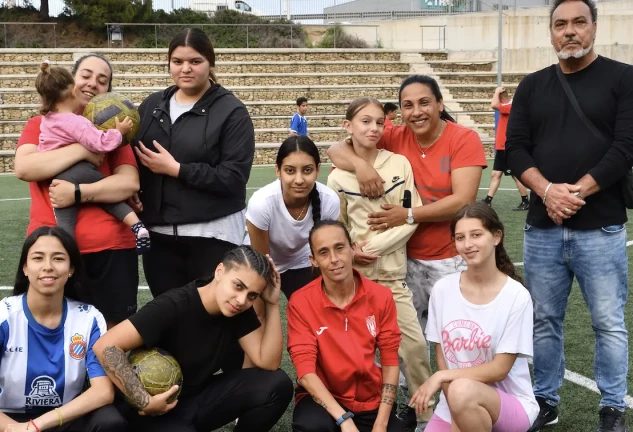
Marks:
<point>381,255</point>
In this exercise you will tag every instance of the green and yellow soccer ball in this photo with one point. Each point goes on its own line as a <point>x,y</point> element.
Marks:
<point>103,108</point>
<point>157,370</point>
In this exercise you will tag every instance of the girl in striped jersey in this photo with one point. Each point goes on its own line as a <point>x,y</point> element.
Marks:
<point>46,339</point>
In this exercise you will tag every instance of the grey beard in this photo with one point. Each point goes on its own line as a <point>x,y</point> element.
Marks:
<point>578,54</point>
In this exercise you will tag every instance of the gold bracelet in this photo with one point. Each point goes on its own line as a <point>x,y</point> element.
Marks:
<point>59,414</point>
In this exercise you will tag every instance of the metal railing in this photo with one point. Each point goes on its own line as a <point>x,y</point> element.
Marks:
<point>247,29</point>
<point>441,36</point>
<point>21,41</point>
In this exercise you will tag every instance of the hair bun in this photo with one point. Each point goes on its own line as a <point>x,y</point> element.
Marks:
<point>45,66</point>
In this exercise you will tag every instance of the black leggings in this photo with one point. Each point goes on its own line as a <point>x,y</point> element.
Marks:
<point>312,417</point>
<point>256,397</point>
<point>104,419</point>
<point>175,261</point>
<point>293,280</point>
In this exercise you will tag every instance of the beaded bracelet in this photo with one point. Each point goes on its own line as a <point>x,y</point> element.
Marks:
<point>59,414</point>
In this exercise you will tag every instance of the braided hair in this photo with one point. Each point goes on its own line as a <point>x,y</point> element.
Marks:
<point>302,143</point>
<point>490,220</point>
<point>249,257</point>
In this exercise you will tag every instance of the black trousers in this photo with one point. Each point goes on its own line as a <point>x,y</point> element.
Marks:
<point>292,280</point>
<point>256,397</point>
<point>104,419</point>
<point>112,282</point>
<point>312,417</point>
<point>175,261</point>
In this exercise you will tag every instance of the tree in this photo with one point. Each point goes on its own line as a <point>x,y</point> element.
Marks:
<point>95,13</point>
<point>44,14</point>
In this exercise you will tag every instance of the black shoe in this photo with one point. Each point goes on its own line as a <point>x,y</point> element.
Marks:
<point>488,203</point>
<point>611,420</point>
<point>525,205</point>
<point>548,415</point>
<point>407,416</point>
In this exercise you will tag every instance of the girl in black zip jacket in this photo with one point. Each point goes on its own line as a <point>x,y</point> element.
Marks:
<point>195,148</point>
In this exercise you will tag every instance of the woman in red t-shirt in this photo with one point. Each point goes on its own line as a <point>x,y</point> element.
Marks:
<point>107,245</point>
<point>447,161</point>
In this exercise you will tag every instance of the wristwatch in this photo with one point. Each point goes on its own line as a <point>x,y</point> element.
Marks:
<point>410,219</point>
<point>577,195</point>
<point>344,417</point>
<point>77,194</point>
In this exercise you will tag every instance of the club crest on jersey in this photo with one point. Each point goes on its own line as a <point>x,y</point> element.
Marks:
<point>371,325</point>
<point>43,393</point>
<point>77,349</point>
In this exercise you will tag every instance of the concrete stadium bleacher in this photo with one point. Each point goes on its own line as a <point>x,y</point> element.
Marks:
<point>268,81</point>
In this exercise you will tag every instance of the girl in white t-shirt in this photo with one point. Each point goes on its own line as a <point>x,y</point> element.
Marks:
<point>280,215</point>
<point>481,322</point>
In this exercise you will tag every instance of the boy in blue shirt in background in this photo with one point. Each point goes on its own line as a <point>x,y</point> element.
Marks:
<point>299,124</point>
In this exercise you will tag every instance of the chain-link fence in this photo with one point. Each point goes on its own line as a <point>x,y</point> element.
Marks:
<point>280,35</point>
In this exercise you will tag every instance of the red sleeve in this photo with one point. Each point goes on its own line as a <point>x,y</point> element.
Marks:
<point>122,156</point>
<point>388,340</point>
<point>31,132</point>
<point>468,150</point>
<point>386,141</point>
<point>302,344</point>
<point>504,109</point>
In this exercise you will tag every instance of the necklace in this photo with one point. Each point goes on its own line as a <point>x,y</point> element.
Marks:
<point>424,149</point>
<point>305,206</point>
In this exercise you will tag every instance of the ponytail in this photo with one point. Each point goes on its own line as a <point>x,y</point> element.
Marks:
<point>504,263</point>
<point>444,115</point>
<point>315,200</point>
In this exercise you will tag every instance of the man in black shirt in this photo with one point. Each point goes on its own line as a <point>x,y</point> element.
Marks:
<point>199,324</point>
<point>575,224</point>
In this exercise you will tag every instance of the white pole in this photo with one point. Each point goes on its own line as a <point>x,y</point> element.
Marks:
<point>500,48</point>
<point>288,10</point>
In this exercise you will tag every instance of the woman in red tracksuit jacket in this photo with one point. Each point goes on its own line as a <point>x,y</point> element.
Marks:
<point>335,325</point>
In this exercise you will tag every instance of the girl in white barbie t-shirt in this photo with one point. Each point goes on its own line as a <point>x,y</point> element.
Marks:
<point>481,323</point>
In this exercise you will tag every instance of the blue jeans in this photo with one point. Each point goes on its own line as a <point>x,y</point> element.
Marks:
<point>598,259</point>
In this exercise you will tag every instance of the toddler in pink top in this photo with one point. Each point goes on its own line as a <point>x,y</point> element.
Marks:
<point>61,127</point>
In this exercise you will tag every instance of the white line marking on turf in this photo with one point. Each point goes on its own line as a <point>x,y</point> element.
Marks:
<point>15,199</point>
<point>590,384</point>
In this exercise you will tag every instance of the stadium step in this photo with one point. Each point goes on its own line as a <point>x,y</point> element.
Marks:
<point>222,54</point>
<point>479,77</point>
<point>256,108</point>
<point>477,91</point>
<point>462,65</point>
<point>277,79</point>
<point>259,122</point>
<point>261,67</point>
<point>244,93</point>
<point>263,136</point>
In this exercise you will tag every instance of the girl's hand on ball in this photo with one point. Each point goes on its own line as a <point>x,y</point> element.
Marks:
<point>161,162</point>
<point>158,404</point>
<point>123,126</point>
